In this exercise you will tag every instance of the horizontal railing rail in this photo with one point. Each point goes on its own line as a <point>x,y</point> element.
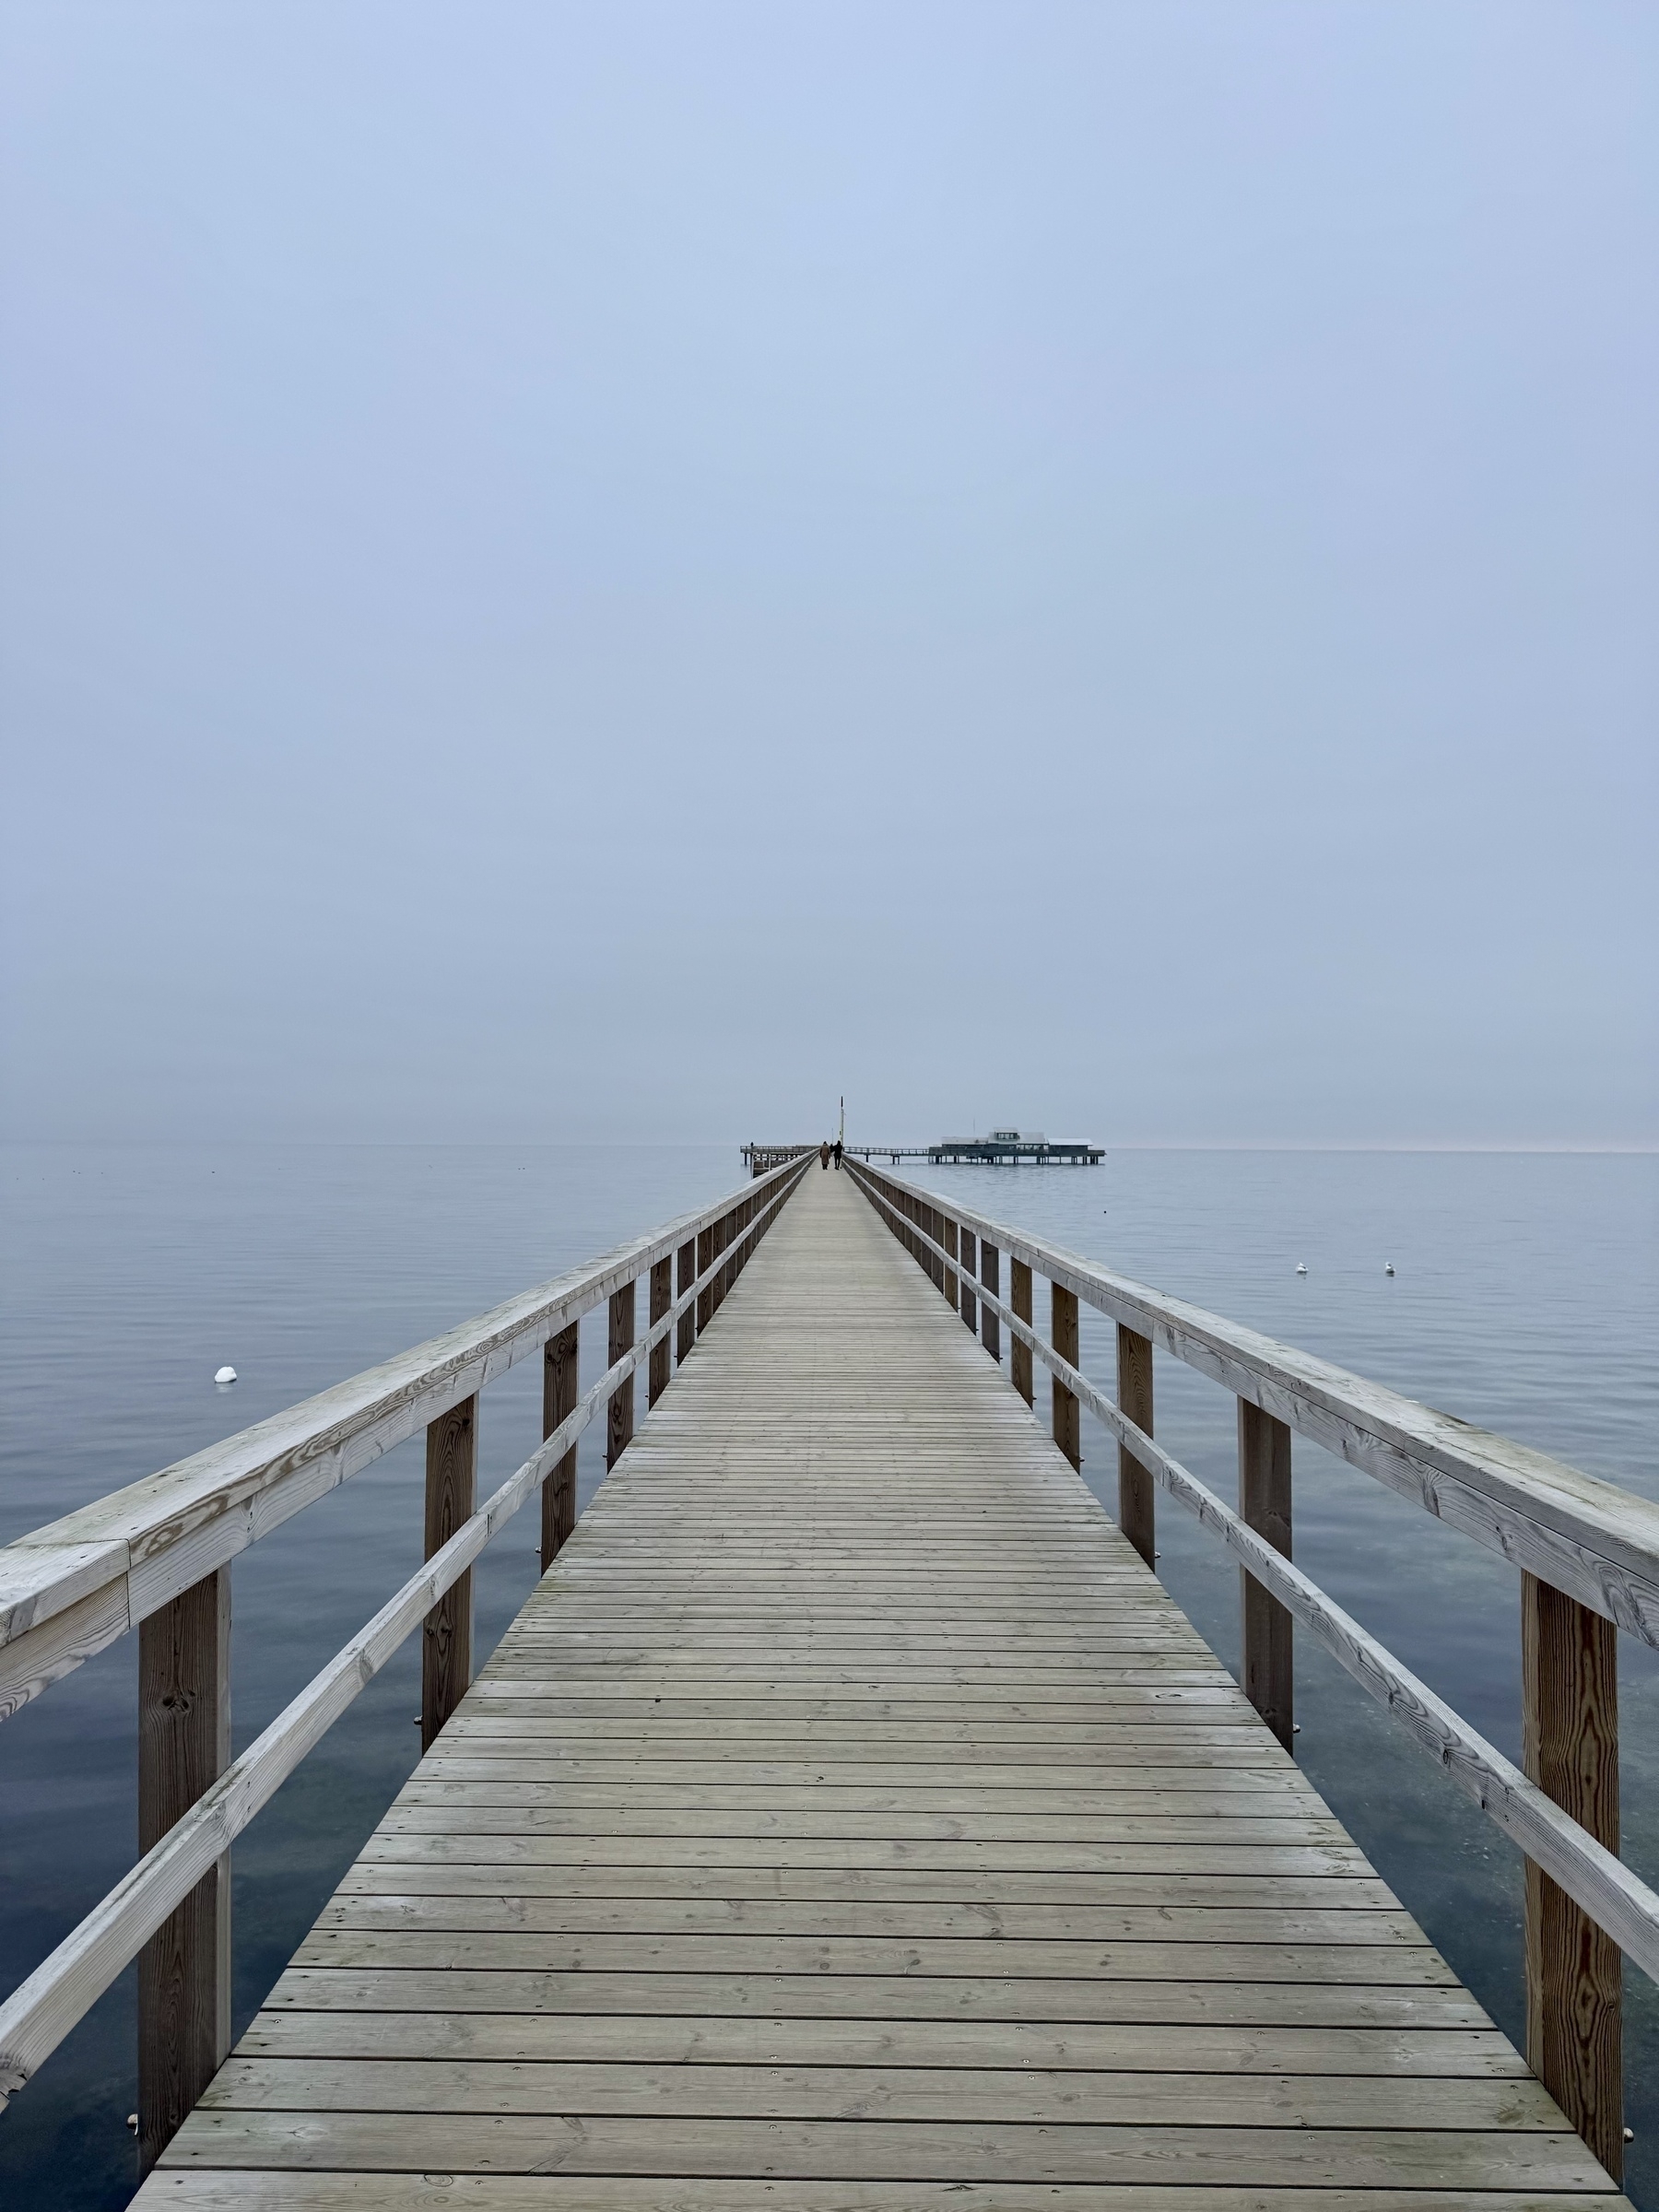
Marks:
<point>1589,1554</point>
<point>174,1902</point>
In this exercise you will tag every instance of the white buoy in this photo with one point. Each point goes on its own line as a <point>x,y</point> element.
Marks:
<point>226,1374</point>
<point>1301,1266</point>
<point>1388,1267</point>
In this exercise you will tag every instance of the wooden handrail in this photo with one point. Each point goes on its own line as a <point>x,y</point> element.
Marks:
<point>38,2015</point>
<point>1582,1905</point>
<point>77,1585</point>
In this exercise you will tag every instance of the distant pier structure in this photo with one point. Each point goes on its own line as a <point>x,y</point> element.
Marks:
<point>1002,1147</point>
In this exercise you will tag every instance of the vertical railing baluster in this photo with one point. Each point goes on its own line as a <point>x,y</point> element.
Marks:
<point>1570,1738</point>
<point>619,1408</point>
<point>183,1747</point>
<point>1063,1334</point>
<point>947,1235</point>
<point>1135,1511</point>
<point>991,1276</point>
<point>1268,1646</point>
<point>1020,1353</point>
<point>560,1360</point>
<point>969,1257</point>
<point>451,1496</point>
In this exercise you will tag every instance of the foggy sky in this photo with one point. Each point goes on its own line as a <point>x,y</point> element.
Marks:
<point>620,571</point>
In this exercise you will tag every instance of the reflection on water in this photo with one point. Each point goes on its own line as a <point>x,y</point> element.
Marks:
<point>1524,1299</point>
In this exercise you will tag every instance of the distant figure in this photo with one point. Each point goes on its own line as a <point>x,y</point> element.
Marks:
<point>837,1149</point>
<point>824,1154</point>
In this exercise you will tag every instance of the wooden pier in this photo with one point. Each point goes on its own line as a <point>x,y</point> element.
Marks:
<point>850,1822</point>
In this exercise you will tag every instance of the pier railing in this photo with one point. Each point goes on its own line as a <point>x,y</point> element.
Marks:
<point>157,1555</point>
<point>1588,1554</point>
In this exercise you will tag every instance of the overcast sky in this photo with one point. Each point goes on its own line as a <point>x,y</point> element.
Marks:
<point>621,570</point>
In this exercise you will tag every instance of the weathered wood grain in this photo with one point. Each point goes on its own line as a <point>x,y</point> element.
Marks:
<point>451,1496</point>
<point>1570,1708</point>
<point>1267,1644</point>
<point>183,1747</point>
<point>560,1389</point>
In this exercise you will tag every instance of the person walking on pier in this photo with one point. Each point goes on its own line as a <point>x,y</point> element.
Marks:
<point>824,1154</point>
<point>836,1148</point>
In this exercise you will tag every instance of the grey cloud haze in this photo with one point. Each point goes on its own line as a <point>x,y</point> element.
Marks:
<point>623,571</point>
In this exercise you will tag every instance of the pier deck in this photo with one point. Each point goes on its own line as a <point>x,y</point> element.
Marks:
<point>851,1821</point>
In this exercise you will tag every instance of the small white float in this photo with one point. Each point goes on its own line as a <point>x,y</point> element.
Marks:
<point>226,1374</point>
<point>1388,1267</point>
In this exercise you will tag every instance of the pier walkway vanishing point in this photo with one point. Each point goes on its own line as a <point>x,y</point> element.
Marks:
<point>850,1822</point>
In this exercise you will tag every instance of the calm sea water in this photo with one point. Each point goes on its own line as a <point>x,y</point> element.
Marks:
<point>1526,1298</point>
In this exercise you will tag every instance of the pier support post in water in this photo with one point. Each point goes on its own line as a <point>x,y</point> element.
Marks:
<point>1570,1735</point>
<point>662,1353</point>
<point>559,1388</point>
<point>1136,1514</point>
<point>620,1412</point>
<point>1063,1336</point>
<point>990,1271</point>
<point>184,1747</point>
<point>452,1493</point>
<point>1264,1505</point>
<point>1020,1355</point>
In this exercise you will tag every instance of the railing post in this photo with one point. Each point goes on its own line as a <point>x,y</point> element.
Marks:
<point>935,1229</point>
<point>948,1237</point>
<point>559,1390</point>
<point>705,1260</point>
<point>685,1275</point>
<point>969,1269</point>
<point>991,1276</point>
<point>184,1747</point>
<point>452,1485</point>
<point>1063,1336</point>
<point>662,1352</point>
<point>1570,1736</point>
<point>1019,1354</point>
<point>1268,1644</point>
<point>620,1411</point>
<point>1136,1517</point>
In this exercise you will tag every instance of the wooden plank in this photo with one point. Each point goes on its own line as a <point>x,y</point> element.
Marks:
<point>233,2190</point>
<point>1267,1642</point>
<point>452,1493</point>
<point>561,1388</point>
<point>421,2142</point>
<point>1569,1705</point>
<point>183,1747</point>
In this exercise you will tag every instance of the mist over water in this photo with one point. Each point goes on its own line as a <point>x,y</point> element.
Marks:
<point>1526,1298</point>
